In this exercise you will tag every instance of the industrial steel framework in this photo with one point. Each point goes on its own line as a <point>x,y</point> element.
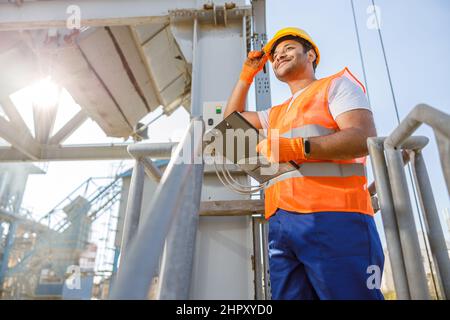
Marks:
<point>168,228</point>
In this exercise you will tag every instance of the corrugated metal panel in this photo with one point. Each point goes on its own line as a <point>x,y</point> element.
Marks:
<point>116,74</point>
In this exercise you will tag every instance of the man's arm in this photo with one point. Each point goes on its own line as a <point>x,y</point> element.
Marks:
<point>348,143</point>
<point>236,102</point>
<point>254,63</point>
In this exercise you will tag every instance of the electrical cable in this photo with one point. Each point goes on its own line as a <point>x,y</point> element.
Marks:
<point>360,52</point>
<point>231,183</point>
<point>245,188</point>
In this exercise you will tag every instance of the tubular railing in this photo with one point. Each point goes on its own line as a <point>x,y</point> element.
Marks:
<point>172,215</point>
<point>397,214</point>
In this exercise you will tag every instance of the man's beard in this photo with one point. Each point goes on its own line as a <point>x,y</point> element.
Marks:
<point>289,70</point>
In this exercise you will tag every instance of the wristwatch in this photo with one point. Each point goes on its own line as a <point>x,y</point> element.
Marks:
<point>306,148</point>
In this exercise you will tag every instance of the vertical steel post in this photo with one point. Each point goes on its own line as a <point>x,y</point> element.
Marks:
<point>384,194</point>
<point>262,79</point>
<point>134,205</point>
<point>408,233</point>
<point>263,101</point>
<point>180,247</point>
<point>258,259</point>
<point>177,264</point>
<point>443,142</point>
<point>265,248</point>
<point>143,253</point>
<point>436,234</point>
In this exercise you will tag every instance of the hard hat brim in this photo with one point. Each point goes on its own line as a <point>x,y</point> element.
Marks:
<point>268,47</point>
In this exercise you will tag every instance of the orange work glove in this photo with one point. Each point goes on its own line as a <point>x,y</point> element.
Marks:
<point>254,63</point>
<point>289,149</point>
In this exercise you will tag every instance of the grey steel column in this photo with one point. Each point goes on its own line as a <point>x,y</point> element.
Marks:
<point>436,234</point>
<point>180,247</point>
<point>258,258</point>
<point>263,102</point>
<point>384,194</point>
<point>408,233</point>
<point>265,245</point>
<point>134,205</point>
<point>443,143</point>
<point>142,257</point>
<point>262,79</point>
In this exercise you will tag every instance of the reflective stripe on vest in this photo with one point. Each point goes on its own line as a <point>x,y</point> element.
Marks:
<point>322,169</point>
<point>309,130</point>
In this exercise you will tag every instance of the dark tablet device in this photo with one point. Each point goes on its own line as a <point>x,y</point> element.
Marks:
<point>235,140</point>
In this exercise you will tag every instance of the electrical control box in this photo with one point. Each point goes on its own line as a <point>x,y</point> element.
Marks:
<point>213,113</point>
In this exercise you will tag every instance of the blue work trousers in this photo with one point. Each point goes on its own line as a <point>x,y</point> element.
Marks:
<point>324,255</point>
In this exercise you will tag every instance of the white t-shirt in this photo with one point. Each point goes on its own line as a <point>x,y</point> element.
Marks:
<point>345,94</point>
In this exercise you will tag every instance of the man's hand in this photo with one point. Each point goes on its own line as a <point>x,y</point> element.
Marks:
<point>279,149</point>
<point>254,63</point>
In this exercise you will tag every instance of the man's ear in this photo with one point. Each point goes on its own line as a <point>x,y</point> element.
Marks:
<point>312,56</point>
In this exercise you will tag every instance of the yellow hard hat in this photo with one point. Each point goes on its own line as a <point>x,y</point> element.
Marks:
<point>290,31</point>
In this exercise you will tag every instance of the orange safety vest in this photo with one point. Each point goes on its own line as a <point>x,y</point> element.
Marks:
<point>325,185</point>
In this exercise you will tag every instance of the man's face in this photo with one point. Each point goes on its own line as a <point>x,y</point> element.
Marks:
<point>289,60</point>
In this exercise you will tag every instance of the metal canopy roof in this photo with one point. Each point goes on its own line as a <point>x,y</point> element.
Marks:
<point>127,59</point>
<point>116,74</point>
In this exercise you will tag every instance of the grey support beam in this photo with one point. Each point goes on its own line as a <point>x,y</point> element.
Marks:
<point>20,139</point>
<point>94,152</point>
<point>148,70</point>
<point>94,13</point>
<point>262,79</point>
<point>14,116</point>
<point>72,125</point>
<point>84,152</point>
<point>232,208</point>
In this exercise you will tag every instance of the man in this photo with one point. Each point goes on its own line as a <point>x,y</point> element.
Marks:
<point>323,243</point>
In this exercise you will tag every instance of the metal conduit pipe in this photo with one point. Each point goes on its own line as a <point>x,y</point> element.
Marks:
<point>143,253</point>
<point>151,169</point>
<point>439,121</point>
<point>180,247</point>
<point>134,204</point>
<point>389,220</point>
<point>415,272</point>
<point>435,233</point>
<point>153,150</point>
<point>436,119</point>
<point>133,211</point>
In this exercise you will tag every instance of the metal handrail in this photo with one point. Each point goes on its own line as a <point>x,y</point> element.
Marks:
<point>387,164</point>
<point>174,208</point>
